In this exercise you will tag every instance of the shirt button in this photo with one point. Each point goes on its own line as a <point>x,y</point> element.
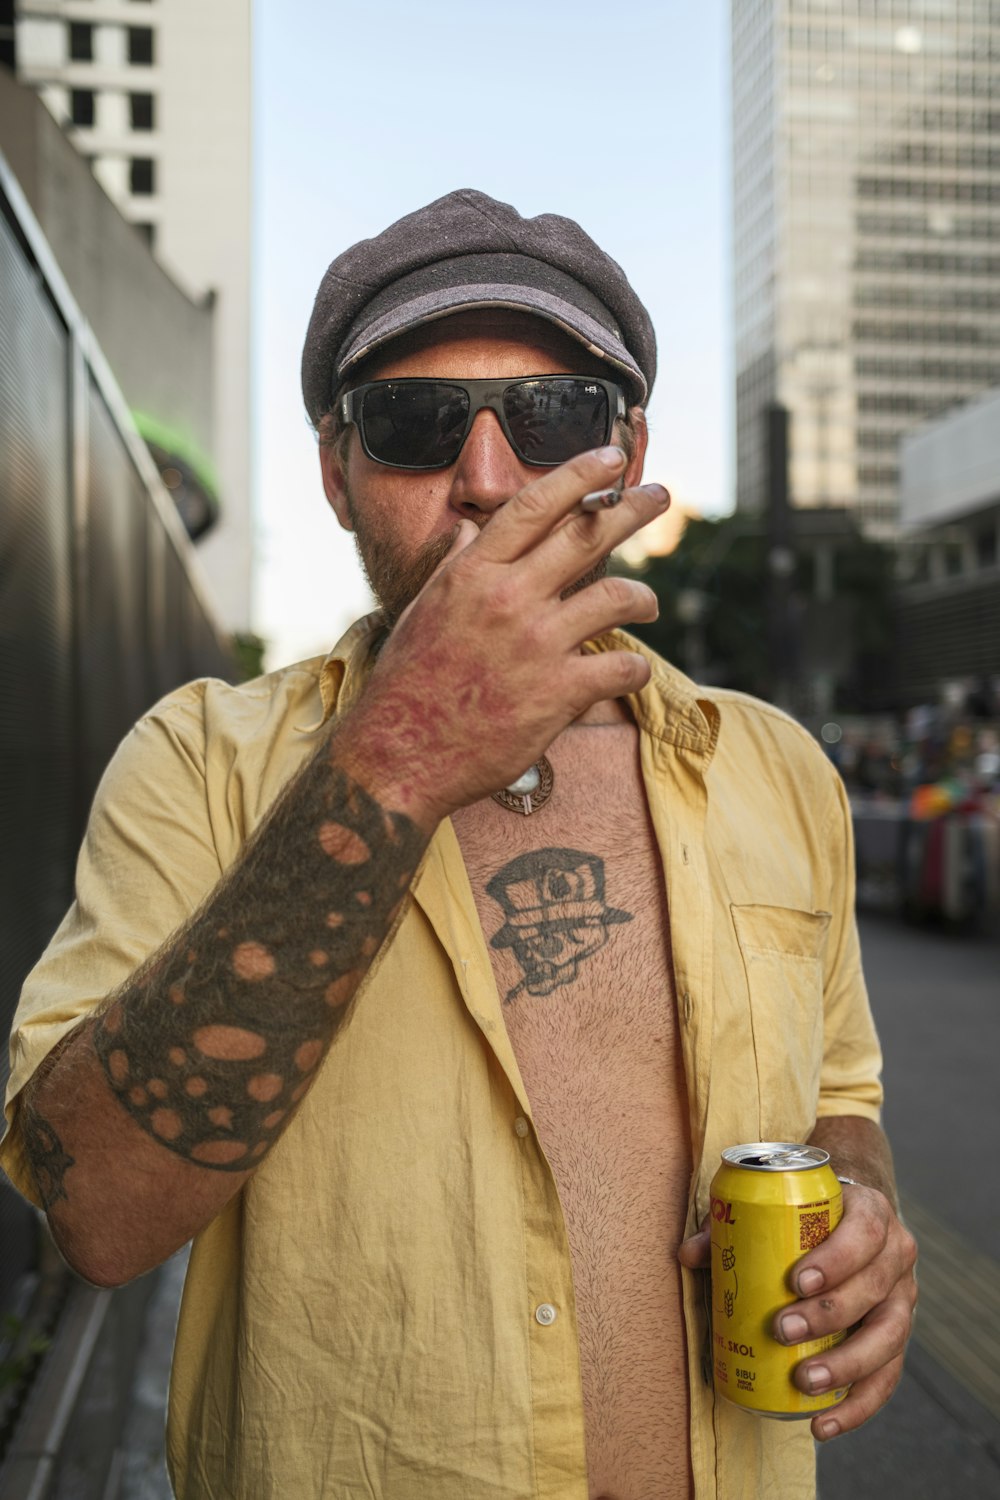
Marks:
<point>521,1126</point>
<point>688,1005</point>
<point>545,1314</point>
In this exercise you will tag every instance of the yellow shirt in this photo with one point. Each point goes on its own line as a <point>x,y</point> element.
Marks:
<point>359,1322</point>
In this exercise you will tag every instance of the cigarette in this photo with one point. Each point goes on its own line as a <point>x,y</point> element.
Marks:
<point>599,500</point>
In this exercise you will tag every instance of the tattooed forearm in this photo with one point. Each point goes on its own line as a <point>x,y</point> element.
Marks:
<point>48,1159</point>
<point>212,1047</point>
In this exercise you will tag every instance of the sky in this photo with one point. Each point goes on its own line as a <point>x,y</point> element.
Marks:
<point>615,116</point>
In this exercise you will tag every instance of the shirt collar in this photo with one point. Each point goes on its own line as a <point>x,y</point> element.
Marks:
<point>345,671</point>
<point>670,707</point>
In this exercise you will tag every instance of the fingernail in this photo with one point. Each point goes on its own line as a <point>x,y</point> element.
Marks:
<point>657,493</point>
<point>613,457</point>
<point>810,1281</point>
<point>794,1328</point>
<point>817,1377</point>
<point>829,1428</point>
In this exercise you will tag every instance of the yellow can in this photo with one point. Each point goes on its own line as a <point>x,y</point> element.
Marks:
<point>771,1203</point>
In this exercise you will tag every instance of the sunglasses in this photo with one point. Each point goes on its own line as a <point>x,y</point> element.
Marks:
<point>422,423</point>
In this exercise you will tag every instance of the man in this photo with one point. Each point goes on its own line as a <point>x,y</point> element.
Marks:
<point>602,923</point>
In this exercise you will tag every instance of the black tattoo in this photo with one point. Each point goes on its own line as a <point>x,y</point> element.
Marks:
<point>47,1157</point>
<point>212,1046</point>
<point>556,915</point>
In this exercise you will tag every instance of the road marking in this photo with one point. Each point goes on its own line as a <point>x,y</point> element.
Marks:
<point>958,1314</point>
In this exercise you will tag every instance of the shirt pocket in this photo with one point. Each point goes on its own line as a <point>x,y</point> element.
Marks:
<point>782,952</point>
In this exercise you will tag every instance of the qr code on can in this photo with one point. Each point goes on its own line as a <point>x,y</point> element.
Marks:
<point>813,1229</point>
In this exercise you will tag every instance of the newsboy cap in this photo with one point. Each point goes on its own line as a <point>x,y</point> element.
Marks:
<point>467,250</point>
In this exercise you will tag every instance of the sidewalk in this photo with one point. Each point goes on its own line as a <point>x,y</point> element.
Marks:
<point>143,1474</point>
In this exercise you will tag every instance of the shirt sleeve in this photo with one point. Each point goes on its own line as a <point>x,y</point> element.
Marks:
<point>148,860</point>
<point>850,1079</point>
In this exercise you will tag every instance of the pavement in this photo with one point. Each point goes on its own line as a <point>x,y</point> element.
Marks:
<point>143,1469</point>
<point>936,999</point>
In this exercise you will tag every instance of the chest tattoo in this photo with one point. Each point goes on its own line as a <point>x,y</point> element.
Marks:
<point>555,915</point>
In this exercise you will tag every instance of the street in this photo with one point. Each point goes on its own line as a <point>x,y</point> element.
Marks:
<point>936,998</point>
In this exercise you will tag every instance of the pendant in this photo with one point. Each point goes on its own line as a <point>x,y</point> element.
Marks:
<point>530,791</point>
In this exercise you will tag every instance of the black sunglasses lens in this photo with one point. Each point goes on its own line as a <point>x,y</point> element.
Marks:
<point>414,424</point>
<point>553,419</point>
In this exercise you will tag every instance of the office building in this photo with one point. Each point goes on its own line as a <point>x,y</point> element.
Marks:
<point>948,596</point>
<point>866,172</point>
<point>156,95</point>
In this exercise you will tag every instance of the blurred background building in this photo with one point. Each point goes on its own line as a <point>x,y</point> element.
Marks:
<point>866,234</point>
<point>857,585</point>
<point>155,95</point>
<point>949,576</point>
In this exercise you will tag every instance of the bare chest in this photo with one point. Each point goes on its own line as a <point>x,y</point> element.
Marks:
<point>573,908</point>
<point>574,913</point>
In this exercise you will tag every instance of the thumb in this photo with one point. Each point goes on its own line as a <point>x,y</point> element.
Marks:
<point>696,1251</point>
<point>466,532</point>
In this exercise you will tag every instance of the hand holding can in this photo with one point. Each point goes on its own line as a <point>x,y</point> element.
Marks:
<point>772,1202</point>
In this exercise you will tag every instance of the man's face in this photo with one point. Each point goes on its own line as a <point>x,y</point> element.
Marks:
<point>404,520</point>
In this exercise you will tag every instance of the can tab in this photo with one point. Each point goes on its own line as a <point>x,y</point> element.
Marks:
<point>776,1156</point>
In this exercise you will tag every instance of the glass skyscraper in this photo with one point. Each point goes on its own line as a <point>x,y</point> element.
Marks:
<point>866,190</point>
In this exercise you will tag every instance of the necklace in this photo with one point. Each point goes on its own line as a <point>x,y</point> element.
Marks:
<point>530,791</point>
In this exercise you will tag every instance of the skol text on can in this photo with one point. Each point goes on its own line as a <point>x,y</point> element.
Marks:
<point>771,1202</point>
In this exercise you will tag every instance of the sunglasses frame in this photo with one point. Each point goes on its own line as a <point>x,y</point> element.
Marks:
<point>481,394</point>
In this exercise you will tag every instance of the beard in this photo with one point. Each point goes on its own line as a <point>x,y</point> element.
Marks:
<point>396,575</point>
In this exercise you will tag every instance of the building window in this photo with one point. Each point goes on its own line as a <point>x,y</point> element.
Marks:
<point>986,547</point>
<point>140,45</point>
<point>8,35</point>
<point>81,41</point>
<point>951,556</point>
<point>142,106</point>
<point>148,233</point>
<point>81,106</point>
<point>142,179</point>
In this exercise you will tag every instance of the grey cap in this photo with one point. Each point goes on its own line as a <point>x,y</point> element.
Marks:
<point>467,250</point>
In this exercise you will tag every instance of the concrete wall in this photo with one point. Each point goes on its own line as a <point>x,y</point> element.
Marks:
<point>158,340</point>
<point>204,229</point>
<point>951,467</point>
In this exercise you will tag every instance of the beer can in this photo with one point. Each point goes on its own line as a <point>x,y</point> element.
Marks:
<point>772,1201</point>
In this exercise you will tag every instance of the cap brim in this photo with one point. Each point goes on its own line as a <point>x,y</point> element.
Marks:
<point>430,306</point>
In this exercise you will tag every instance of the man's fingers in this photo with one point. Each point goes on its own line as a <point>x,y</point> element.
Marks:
<point>862,1402</point>
<point>878,1343</point>
<point>868,1229</point>
<point>534,511</point>
<point>696,1251</point>
<point>872,1257</point>
<point>604,605</point>
<point>580,541</point>
<point>605,674</point>
<point>842,1306</point>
